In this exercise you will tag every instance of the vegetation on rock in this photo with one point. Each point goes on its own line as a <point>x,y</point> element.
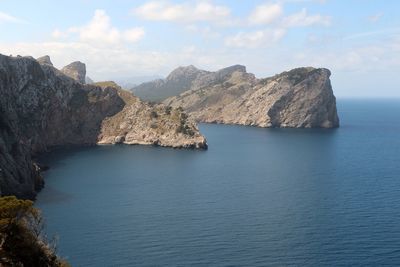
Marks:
<point>22,239</point>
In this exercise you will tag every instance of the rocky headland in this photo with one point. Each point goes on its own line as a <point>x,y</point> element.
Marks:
<point>142,123</point>
<point>299,98</point>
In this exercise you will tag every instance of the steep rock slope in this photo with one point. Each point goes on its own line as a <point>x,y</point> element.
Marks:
<point>41,108</point>
<point>300,98</point>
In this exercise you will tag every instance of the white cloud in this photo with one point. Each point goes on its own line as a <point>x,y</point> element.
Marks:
<point>133,35</point>
<point>396,44</point>
<point>265,14</point>
<point>271,14</point>
<point>100,31</point>
<point>205,31</point>
<point>383,32</point>
<point>256,38</point>
<point>94,43</point>
<point>375,17</point>
<point>59,34</point>
<point>109,63</point>
<point>119,60</point>
<point>302,19</point>
<point>361,58</point>
<point>184,12</point>
<point>6,18</point>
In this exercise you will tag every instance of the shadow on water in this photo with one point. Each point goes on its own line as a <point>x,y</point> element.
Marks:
<point>55,157</point>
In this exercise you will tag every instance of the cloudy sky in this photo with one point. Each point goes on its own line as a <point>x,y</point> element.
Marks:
<point>359,40</point>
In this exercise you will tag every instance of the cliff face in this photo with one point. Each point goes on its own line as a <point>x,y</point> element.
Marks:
<point>41,108</point>
<point>300,98</point>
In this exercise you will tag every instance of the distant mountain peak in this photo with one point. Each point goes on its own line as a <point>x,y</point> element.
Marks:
<point>233,68</point>
<point>76,70</point>
<point>185,78</point>
<point>184,72</point>
<point>44,60</point>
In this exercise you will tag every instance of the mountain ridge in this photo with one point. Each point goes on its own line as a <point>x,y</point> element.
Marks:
<point>299,98</point>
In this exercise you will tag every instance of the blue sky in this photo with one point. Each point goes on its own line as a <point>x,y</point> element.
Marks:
<point>358,40</point>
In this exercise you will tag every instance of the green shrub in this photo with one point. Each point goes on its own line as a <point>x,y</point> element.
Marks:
<point>168,110</point>
<point>184,116</point>
<point>22,239</point>
<point>153,114</point>
<point>184,129</point>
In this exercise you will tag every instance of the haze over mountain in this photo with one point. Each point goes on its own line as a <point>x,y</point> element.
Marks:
<point>128,82</point>
<point>178,81</point>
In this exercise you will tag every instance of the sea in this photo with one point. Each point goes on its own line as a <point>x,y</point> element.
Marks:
<point>256,197</point>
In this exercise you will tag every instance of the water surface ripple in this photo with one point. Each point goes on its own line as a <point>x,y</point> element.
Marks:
<point>257,197</point>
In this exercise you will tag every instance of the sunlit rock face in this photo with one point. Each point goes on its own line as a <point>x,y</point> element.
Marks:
<point>300,98</point>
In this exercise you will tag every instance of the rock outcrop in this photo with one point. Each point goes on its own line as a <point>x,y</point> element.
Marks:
<point>76,70</point>
<point>41,108</point>
<point>145,124</point>
<point>300,98</point>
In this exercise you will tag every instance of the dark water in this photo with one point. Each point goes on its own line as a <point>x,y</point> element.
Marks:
<point>257,197</point>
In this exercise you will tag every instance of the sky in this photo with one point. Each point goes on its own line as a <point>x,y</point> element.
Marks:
<point>358,40</point>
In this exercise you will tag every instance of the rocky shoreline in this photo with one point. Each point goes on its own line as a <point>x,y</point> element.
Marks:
<point>42,108</point>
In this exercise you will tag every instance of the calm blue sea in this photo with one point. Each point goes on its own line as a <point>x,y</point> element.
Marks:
<point>257,197</point>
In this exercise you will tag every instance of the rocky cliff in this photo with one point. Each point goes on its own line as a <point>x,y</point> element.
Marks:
<point>41,108</point>
<point>300,98</point>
